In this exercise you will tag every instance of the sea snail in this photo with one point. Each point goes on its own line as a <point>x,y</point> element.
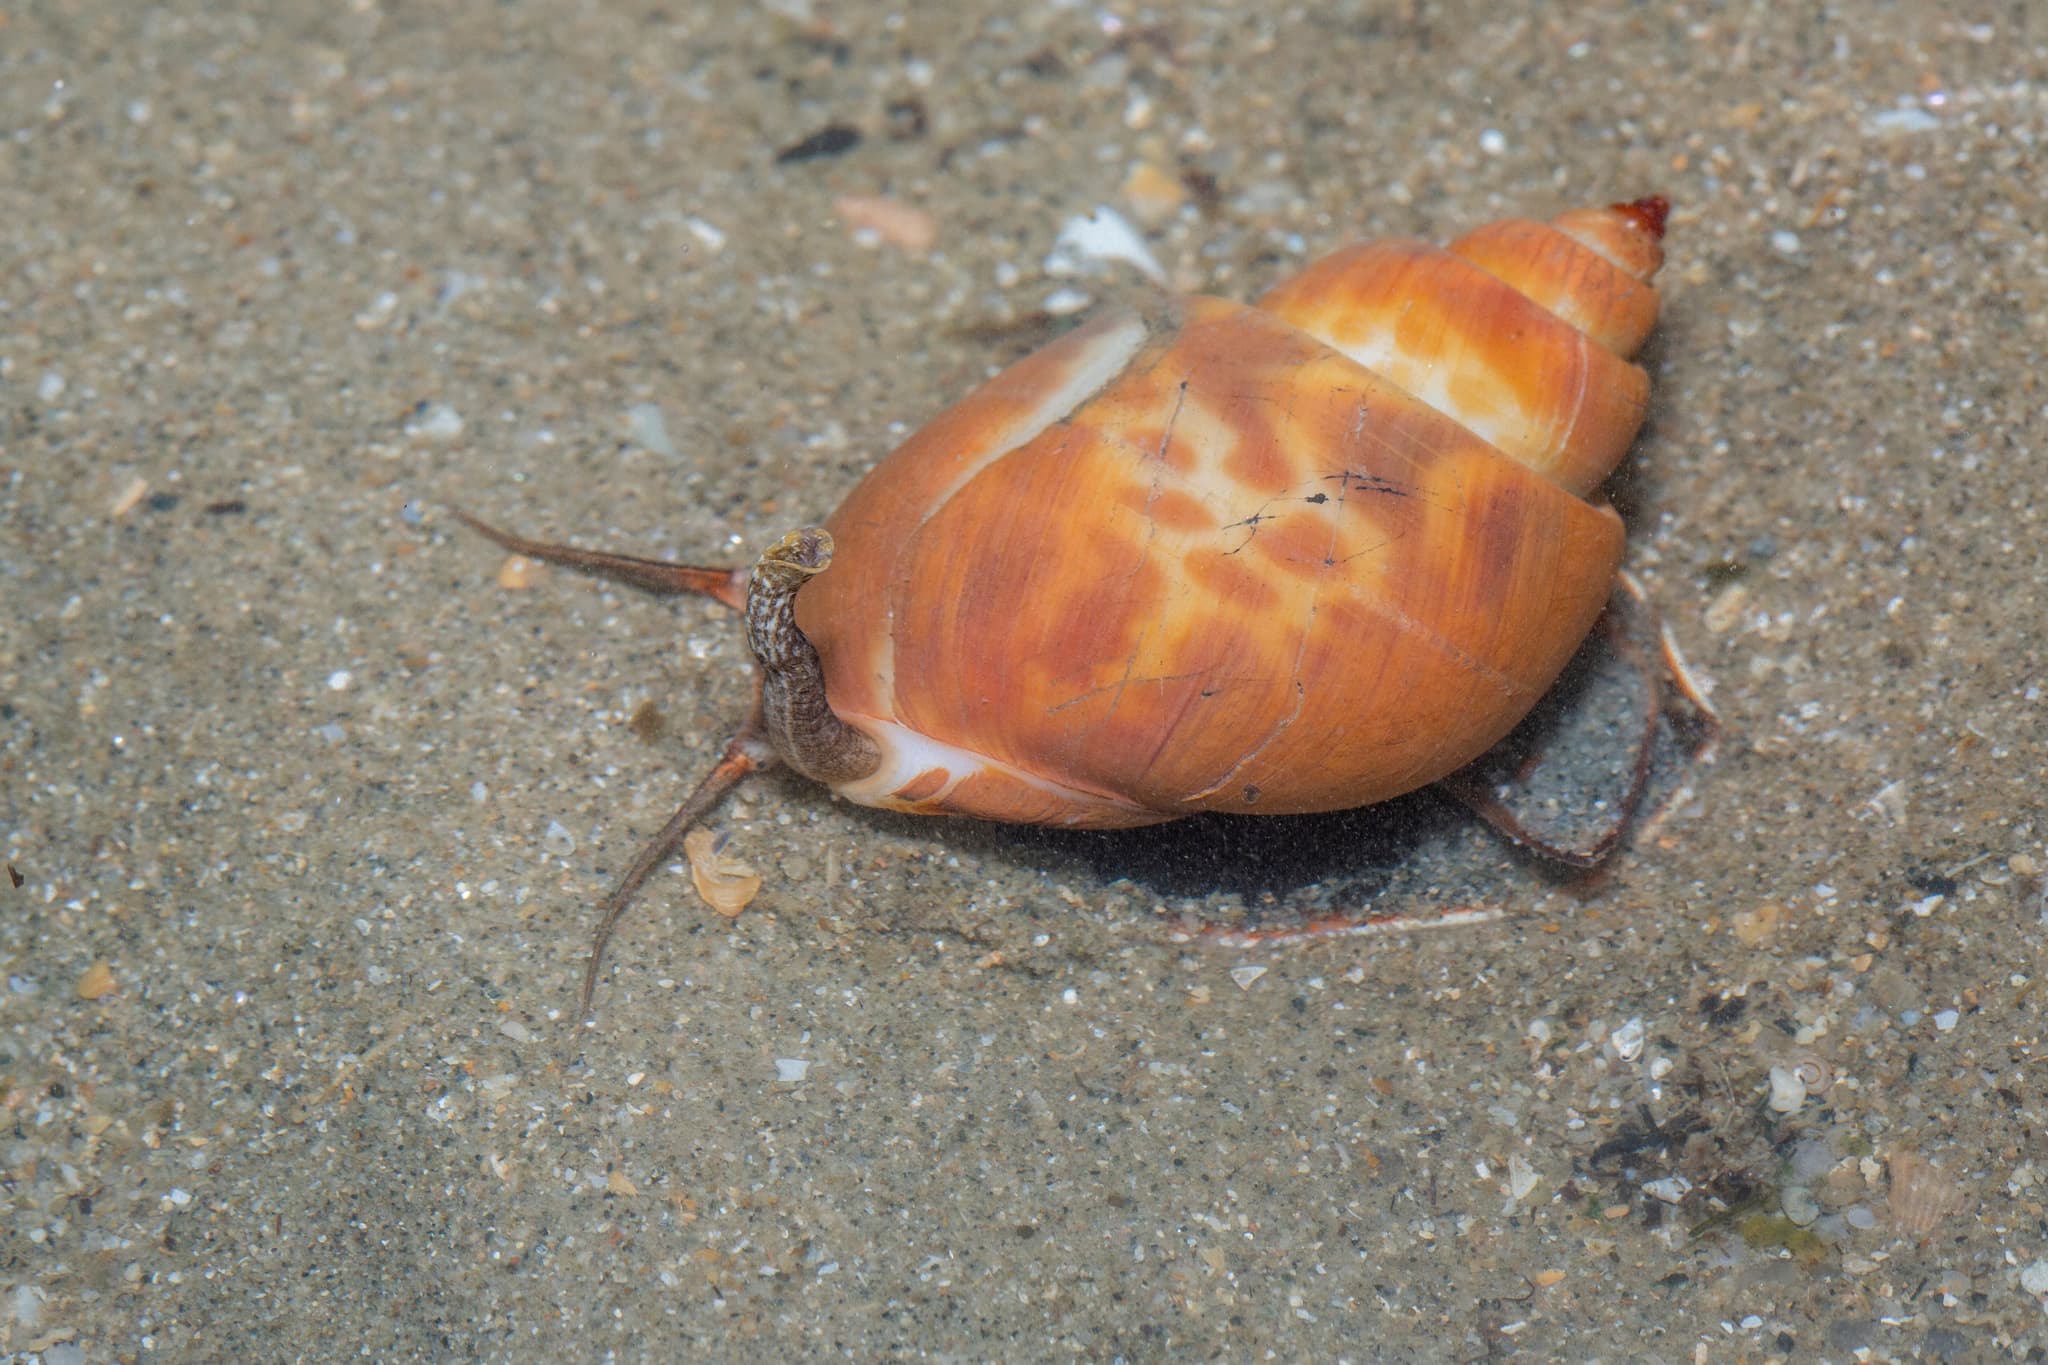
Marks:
<point>1297,556</point>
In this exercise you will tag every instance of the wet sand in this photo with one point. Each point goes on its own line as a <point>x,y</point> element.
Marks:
<point>310,813</point>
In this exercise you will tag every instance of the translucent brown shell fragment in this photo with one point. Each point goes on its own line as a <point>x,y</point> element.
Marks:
<point>727,884</point>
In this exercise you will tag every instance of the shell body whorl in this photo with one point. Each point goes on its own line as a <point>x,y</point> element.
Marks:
<point>1304,555</point>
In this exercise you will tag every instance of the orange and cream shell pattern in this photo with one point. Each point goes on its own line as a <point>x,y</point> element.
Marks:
<point>1301,555</point>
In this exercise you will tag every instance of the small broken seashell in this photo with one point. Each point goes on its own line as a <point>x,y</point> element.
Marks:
<point>1922,1195</point>
<point>726,883</point>
<point>880,219</point>
<point>1788,1090</point>
<point>1813,1073</point>
<point>1627,1041</point>
<point>1088,240</point>
<point>97,982</point>
<point>131,498</point>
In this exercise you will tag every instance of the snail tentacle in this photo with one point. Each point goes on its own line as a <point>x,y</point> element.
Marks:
<point>745,753</point>
<point>801,723</point>
<point>728,586</point>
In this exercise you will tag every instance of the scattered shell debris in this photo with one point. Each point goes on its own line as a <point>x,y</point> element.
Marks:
<point>1088,241</point>
<point>727,883</point>
<point>1245,976</point>
<point>1671,1189</point>
<point>97,982</point>
<point>1788,1090</point>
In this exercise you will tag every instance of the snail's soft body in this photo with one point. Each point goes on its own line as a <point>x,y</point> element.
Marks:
<point>1304,555</point>
<point>1300,555</point>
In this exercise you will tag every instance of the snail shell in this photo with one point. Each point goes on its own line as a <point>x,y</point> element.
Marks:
<point>1298,556</point>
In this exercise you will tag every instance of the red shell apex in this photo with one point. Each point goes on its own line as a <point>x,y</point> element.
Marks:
<point>1648,213</point>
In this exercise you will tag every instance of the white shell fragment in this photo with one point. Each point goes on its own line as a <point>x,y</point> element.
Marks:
<point>1245,976</point>
<point>1101,235</point>
<point>726,883</point>
<point>648,426</point>
<point>1627,1041</point>
<point>1788,1089</point>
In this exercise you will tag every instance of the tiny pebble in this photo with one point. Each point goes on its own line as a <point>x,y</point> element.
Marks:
<point>479,793</point>
<point>1946,1019</point>
<point>1154,195</point>
<point>2034,1279</point>
<point>516,1031</point>
<point>435,422</point>
<point>791,1068</point>
<point>1811,1160</point>
<point>1785,242</point>
<point>1831,1228</point>
<point>1062,302</point>
<point>1901,121</point>
<point>518,573</point>
<point>179,1197</point>
<point>1493,142</point>
<point>557,842</point>
<point>649,429</point>
<point>1859,1216</point>
<point>1799,1205</point>
<point>338,680</point>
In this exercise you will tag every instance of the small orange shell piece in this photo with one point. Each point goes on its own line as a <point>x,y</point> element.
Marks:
<point>727,884</point>
<point>1301,556</point>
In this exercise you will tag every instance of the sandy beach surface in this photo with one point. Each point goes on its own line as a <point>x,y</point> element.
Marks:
<point>308,797</point>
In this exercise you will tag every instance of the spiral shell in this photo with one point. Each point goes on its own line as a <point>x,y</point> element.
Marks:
<point>1298,556</point>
